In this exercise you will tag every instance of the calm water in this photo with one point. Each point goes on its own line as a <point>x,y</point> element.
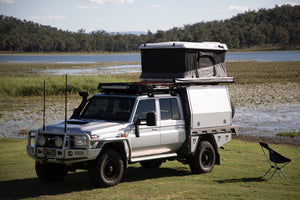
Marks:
<point>277,56</point>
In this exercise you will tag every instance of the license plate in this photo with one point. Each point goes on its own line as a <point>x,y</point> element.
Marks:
<point>49,152</point>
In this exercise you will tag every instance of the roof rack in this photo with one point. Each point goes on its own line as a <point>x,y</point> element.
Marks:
<point>155,86</point>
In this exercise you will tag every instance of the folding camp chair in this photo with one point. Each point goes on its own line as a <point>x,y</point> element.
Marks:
<point>276,158</point>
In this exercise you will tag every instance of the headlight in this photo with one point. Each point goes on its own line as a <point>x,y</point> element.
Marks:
<point>58,141</point>
<point>41,140</point>
<point>80,141</point>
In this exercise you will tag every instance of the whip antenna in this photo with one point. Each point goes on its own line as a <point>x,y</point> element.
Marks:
<point>66,103</point>
<point>44,109</point>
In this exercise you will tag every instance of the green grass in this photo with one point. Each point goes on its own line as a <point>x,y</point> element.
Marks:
<point>18,79</point>
<point>240,176</point>
<point>264,72</point>
<point>55,85</point>
<point>289,134</point>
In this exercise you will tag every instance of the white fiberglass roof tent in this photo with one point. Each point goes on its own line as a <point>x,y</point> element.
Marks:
<point>176,60</point>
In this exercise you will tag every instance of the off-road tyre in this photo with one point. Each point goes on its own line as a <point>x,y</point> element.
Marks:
<point>204,158</point>
<point>107,170</point>
<point>50,172</point>
<point>154,164</point>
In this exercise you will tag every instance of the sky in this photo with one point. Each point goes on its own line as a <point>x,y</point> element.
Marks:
<point>129,15</point>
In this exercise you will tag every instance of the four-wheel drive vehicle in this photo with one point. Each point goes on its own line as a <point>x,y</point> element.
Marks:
<point>144,122</point>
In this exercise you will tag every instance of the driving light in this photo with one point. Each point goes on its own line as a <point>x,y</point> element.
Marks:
<point>41,140</point>
<point>58,141</point>
<point>80,141</point>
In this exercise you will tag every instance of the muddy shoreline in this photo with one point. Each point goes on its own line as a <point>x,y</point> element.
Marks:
<point>262,110</point>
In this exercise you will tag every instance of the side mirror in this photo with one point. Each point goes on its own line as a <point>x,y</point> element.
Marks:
<point>151,119</point>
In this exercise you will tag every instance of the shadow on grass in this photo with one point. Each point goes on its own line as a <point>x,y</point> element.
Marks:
<point>75,182</point>
<point>242,180</point>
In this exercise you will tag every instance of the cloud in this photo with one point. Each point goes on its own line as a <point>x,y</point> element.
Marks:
<point>87,7</point>
<point>289,3</point>
<point>51,17</point>
<point>7,2</point>
<point>106,1</point>
<point>155,6</point>
<point>234,8</point>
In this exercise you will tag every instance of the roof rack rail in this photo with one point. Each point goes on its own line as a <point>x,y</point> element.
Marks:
<point>136,88</point>
<point>157,86</point>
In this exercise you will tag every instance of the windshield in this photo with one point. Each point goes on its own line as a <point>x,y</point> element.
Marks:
<point>109,108</point>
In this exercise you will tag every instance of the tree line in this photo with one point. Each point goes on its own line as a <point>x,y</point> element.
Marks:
<point>278,26</point>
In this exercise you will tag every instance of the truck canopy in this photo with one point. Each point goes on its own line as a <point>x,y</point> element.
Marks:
<point>169,60</point>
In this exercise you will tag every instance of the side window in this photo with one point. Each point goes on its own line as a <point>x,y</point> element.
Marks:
<point>143,108</point>
<point>165,109</point>
<point>175,110</point>
<point>169,109</point>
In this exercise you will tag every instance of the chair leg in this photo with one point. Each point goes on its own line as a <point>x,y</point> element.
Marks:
<point>283,174</point>
<point>268,170</point>
<point>275,170</point>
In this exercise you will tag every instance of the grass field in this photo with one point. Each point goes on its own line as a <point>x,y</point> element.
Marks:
<point>240,176</point>
<point>18,79</point>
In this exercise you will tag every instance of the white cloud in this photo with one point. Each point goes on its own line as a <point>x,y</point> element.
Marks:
<point>234,8</point>
<point>107,1</point>
<point>51,17</point>
<point>7,2</point>
<point>87,7</point>
<point>289,3</point>
<point>155,6</point>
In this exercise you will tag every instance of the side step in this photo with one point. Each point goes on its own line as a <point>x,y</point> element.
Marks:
<point>154,157</point>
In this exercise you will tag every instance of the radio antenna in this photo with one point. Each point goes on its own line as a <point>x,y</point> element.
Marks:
<point>66,103</point>
<point>44,109</point>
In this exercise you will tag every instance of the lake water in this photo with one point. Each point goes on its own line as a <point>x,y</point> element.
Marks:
<point>274,56</point>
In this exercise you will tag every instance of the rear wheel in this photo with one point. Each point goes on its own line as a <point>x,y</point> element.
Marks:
<point>107,170</point>
<point>204,159</point>
<point>51,172</point>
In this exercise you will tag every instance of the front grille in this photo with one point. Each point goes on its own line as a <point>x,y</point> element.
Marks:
<point>49,140</point>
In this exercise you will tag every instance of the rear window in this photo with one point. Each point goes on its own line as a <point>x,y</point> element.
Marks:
<point>169,109</point>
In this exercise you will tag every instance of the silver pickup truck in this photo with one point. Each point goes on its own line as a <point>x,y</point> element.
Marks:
<point>126,123</point>
<point>115,129</point>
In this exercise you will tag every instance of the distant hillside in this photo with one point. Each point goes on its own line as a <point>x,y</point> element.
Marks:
<point>279,26</point>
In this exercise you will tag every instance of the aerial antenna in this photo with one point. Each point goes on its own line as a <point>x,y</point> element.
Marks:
<point>66,103</point>
<point>44,109</point>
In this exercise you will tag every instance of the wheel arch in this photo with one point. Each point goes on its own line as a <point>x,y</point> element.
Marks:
<point>118,147</point>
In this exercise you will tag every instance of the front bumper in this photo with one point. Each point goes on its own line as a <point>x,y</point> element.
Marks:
<point>67,153</point>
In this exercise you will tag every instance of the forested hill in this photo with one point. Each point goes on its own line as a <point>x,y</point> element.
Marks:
<point>279,26</point>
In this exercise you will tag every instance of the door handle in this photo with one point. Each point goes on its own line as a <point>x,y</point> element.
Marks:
<point>179,127</point>
<point>154,129</point>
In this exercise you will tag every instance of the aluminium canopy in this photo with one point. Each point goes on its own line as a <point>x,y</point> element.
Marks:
<point>171,60</point>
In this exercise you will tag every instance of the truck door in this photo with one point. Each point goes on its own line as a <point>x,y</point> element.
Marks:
<point>148,143</point>
<point>172,130</point>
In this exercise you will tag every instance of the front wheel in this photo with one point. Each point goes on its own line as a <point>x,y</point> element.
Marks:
<point>204,159</point>
<point>107,170</point>
<point>51,172</point>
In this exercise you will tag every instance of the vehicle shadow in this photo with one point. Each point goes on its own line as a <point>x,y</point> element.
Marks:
<point>78,181</point>
<point>239,180</point>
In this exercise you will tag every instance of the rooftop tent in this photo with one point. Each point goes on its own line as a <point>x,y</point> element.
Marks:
<point>171,60</point>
